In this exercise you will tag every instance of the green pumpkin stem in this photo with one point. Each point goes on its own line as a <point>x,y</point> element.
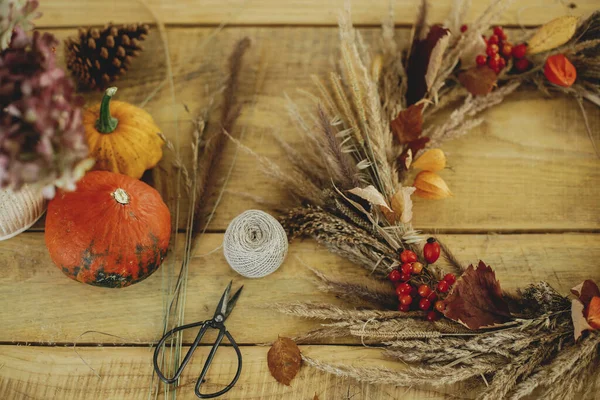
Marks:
<point>106,123</point>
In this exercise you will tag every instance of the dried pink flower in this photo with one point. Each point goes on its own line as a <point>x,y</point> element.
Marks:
<point>15,13</point>
<point>42,138</point>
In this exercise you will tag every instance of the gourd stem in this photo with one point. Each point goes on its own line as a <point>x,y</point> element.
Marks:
<point>106,123</point>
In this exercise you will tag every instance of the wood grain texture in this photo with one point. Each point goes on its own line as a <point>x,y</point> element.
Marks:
<point>126,373</point>
<point>61,13</point>
<point>40,304</point>
<point>529,167</point>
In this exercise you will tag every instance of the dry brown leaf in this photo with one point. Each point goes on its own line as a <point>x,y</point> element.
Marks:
<point>586,290</point>
<point>419,60</point>
<point>479,81</point>
<point>371,195</point>
<point>476,300</point>
<point>552,35</point>
<point>408,125</point>
<point>436,57</point>
<point>402,203</point>
<point>579,322</point>
<point>284,360</point>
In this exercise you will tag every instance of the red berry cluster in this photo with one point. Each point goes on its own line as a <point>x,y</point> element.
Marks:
<point>499,51</point>
<point>413,296</point>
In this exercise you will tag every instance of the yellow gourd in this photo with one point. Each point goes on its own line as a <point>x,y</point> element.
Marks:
<point>121,137</point>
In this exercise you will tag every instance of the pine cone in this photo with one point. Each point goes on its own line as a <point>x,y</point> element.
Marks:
<point>97,57</point>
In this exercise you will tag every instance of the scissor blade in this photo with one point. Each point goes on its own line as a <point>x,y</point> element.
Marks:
<point>232,302</point>
<point>222,306</point>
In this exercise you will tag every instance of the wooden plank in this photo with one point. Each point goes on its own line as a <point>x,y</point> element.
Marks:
<point>61,13</point>
<point>529,167</point>
<point>119,373</point>
<point>40,304</point>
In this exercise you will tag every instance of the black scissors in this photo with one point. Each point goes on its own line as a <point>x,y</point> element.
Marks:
<point>224,308</point>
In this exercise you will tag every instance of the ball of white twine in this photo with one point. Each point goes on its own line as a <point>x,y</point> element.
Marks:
<point>255,244</point>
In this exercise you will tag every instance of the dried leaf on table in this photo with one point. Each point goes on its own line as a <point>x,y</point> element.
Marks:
<point>284,360</point>
<point>371,195</point>
<point>408,125</point>
<point>476,300</point>
<point>479,81</point>
<point>418,62</point>
<point>580,323</point>
<point>552,34</point>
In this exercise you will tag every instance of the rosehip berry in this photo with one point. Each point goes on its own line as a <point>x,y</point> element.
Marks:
<point>450,278</point>
<point>417,268</point>
<point>492,50</point>
<point>403,288</point>
<point>501,63</point>
<point>408,256</point>
<point>424,291</point>
<point>464,28</point>
<point>506,50</point>
<point>522,64</point>
<point>394,275</point>
<point>433,316</point>
<point>481,60</point>
<point>413,291</point>
<point>432,297</point>
<point>443,287</point>
<point>493,40</point>
<point>498,31</point>
<point>406,268</point>
<point>404,277</point>
<point>493,63</point>
<point>424,304</point>
<point>403,308</point>
<point>440,306</point>
<point>431,250</point>
<point>519,50</point>
<point>406,300</point>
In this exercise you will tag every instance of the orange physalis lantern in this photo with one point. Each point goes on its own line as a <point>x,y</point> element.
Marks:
<point>560,71</point>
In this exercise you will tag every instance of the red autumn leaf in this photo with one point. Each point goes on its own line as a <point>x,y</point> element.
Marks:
<point>586,290</point>
<point>479,81</point>
<point>408,125</point>
<point>418,62</point>
<point>593,313</point>
<point>284,360</point>
<point>476,300</point>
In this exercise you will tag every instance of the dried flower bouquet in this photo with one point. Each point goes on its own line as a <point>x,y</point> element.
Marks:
<point>369,120</point>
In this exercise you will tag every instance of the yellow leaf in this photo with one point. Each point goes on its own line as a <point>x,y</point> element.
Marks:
<point>552,35</point>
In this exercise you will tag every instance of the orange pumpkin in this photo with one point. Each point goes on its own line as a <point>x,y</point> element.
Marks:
<point>112,231</point>
<point>122,138</point>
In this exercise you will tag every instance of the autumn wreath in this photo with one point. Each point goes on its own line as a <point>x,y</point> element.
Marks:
<point>368,126</point>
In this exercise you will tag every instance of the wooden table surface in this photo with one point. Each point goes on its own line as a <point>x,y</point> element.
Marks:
<point>526,187</point>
